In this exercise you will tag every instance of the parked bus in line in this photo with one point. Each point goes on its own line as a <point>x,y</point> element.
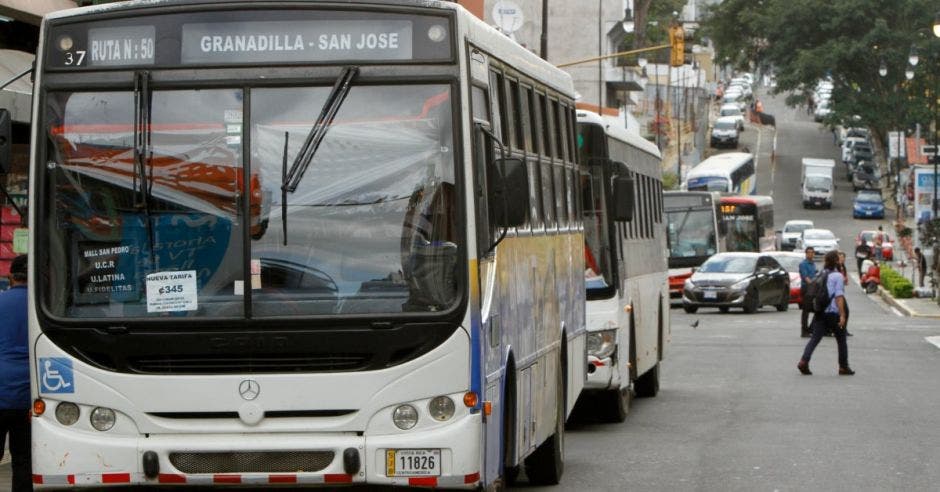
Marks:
<point>627,295</point>
<point>694,232</point>
<point>398,300</point>
<point>729,173</point>
<point>749,221</point>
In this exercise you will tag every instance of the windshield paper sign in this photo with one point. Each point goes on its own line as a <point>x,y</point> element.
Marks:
<point>171,291</point>
<point>296,41</point>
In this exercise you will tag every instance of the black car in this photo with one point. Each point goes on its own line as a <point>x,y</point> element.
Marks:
<point>866,176</point>
<point>745,280</point>
<point>860,152</point>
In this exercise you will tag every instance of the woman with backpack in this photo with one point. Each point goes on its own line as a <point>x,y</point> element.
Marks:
<point>828,298</point>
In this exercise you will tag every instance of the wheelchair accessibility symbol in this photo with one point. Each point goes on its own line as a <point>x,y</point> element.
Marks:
<point>55,375</point>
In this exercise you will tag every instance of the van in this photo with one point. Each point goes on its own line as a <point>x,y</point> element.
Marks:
<point>816,182</point>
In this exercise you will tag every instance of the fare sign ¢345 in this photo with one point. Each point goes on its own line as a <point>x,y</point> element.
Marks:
<point>171,291</point>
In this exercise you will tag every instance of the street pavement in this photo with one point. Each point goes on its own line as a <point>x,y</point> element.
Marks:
<point>733,412</point>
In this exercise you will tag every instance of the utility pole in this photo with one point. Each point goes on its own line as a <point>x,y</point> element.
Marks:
<point>544,48</point>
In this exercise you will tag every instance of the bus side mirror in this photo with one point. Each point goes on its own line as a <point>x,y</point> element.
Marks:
<point>624,191</point>
<point>6,141</point>
<point>509,192</point>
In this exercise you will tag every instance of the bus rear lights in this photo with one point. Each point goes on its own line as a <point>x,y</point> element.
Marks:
<point>470,399</point>
<point>441,408</point>
<point>39,407</point>
<point>405,417</point>
<point>102,418</point>
<point>487,407</point>
<point>437,33</point>
<point>67,413</point>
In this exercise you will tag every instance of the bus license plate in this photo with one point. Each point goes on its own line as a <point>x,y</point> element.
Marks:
<point>413,462</point>
<point>710,294</point>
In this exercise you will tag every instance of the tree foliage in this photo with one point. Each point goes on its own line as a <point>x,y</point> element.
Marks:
<point>804,41</point>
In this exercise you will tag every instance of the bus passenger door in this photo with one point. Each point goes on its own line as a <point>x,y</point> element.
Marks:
<point>484,123</point>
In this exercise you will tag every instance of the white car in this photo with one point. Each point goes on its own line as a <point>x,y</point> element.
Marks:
<point>734,111</point>
<point>847,145</point>
<point>822,240</point>
<point>792,231</point>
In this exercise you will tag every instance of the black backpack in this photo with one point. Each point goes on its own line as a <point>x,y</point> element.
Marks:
<point>817,292</point>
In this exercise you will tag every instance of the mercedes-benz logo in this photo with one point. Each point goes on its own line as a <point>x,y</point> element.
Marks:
<point>249,389</point>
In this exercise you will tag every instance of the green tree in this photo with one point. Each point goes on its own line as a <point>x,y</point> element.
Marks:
<point>845,40</point>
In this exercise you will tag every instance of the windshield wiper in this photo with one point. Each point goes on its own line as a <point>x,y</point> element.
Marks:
<point>142,152</point>
<point>320,127</point>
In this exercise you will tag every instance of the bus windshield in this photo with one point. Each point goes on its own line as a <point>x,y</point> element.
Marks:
<point>691,233</point>
<point>372,225</point>
<point>708,183</point>
<point>742,233</point>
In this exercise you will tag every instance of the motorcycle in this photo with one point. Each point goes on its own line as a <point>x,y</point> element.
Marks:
<point>871,279</point>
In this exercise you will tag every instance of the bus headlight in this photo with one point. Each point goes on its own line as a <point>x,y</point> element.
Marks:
<point>405,417</point>
<point>601,344</point>
<point>66,413</point>
<point>102,418</point>
<point>441,408</point>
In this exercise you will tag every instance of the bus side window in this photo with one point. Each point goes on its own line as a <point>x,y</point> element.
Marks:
<point>534,122</point>
<point>548,137</point>
<point>479,103</point>
<point>500,110</point>
<point>524,131</point>
<point>516,116</point>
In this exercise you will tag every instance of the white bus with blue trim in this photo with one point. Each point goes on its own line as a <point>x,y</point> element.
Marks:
<point>626,273</point>
<point>304,242</point>
<point>729,173</point>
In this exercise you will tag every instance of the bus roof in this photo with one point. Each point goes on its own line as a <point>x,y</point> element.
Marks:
<point>619,132</point>
<point>482,34</point>
<point>759,200</point>
<point>721,162</point>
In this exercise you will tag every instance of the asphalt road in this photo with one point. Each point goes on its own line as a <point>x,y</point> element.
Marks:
<point>733,412</point>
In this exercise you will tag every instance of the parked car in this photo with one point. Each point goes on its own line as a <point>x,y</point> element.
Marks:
<point>725,132</point>
<point>887,245</point>
<point>791,263</point>
<point>792,230</point>
<point>866,176</point>
<point>847,145</point>
<point>732,110</point>
<point>868,204</point>
<point>822,240</point>
<point>745,280</point>
<point>822,110</point>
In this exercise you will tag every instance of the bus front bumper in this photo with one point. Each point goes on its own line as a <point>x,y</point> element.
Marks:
<point>92,460</point>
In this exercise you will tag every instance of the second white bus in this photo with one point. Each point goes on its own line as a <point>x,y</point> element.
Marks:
<point>626,272</point>
<point>730,173</point>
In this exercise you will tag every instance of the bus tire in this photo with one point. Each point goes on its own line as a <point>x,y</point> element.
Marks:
<point>647,385</point>
<point>723,309</point>
<point>546,465</point>
<point>616,404</point>
<point>510,472</point>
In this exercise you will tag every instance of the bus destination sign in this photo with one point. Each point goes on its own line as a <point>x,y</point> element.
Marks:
<point>116,46</point>
<point>296,41</point>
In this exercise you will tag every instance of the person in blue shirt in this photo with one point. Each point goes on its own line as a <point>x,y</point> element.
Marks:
<point>14,375</point>
<point>807,273</point>
<point>832,319</point>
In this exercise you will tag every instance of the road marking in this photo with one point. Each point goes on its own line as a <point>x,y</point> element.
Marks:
<point>896,312</point>
<point>935,341</point>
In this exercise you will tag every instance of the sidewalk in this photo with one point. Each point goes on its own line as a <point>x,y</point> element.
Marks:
<point>916,307</point>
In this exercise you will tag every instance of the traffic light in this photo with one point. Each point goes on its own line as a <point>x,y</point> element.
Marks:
<point>677,46</point>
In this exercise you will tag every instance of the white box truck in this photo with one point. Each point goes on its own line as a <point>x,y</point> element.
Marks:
<point>816,182</point>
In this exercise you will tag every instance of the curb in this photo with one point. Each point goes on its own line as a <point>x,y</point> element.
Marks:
<point>888,298</point>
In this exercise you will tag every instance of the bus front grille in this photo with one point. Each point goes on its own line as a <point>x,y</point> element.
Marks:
<point>251,364</point>
<point>252,462</point>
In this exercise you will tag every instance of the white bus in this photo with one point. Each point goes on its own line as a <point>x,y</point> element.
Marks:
<point>301,242</point>
<point>731,172</point>
<point>626,272</point>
